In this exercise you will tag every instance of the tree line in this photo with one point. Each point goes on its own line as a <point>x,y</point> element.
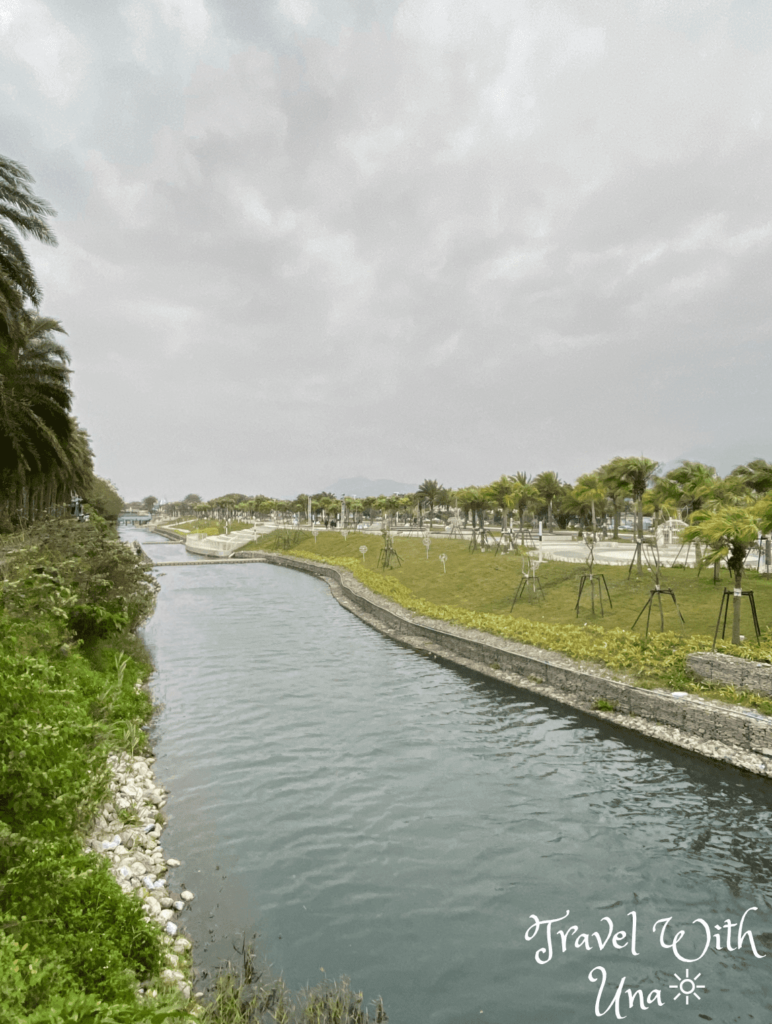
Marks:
<point>725,517</point>
<point>595,502</point>
<point>45,455</point>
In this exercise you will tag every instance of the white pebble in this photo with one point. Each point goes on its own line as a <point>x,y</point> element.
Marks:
<point>187,895</point>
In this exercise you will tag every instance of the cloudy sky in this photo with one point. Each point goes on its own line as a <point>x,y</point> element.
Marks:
<point>305,240</point>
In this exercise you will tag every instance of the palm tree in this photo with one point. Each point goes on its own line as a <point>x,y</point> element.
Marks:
<point>473,500</point>
<point>590,489</point>
<point>389,505</point>
<point>524,494</point>
<point>697,482</point>
<point>635,472</point>
<point>499,494</point>
<point>22,213</point>
<point>756,474</point>
<point>35,399</point>
<point>729,532</point>
<point>664,496</point>
<point>618,494</point>
<point>429,491</point>
<point>549,487</point>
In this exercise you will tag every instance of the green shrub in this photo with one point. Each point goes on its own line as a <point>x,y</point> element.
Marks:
<point>73,946</point>
<point>81,576</point>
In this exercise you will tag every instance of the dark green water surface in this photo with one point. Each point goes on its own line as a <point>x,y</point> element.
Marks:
<point>373,813</point>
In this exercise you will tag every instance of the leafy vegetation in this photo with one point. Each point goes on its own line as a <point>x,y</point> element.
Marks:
<point>248,993</point>
<point>44,455</point>
<point>73,947</point>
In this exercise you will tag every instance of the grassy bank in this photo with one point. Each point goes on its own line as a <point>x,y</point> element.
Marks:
<point>72,946</point>
<point>477,589</point>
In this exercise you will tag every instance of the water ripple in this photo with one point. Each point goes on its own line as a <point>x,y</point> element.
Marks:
<point>398,821</point>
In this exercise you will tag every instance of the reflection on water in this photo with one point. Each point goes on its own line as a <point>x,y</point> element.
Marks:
<point>372,813</point>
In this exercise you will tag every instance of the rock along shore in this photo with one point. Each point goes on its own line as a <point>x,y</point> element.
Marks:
<point>127,832</point>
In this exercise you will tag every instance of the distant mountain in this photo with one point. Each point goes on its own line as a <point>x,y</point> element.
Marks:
<point>361,487</point>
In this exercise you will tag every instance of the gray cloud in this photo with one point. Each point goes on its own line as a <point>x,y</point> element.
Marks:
<point>300,242</point>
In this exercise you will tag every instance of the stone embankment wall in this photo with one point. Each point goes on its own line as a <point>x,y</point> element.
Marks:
<point>720,731</point>
<point>723,668</point>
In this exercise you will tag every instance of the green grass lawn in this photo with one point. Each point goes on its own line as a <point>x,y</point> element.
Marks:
<point>487,583</point>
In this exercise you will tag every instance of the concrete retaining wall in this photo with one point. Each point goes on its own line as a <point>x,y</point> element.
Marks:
<point>720,731</point>
<point>220,546</point>
<point>166,532</point>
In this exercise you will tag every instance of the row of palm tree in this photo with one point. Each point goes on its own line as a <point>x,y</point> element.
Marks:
<point>44,454</point>
<point>596,501</point>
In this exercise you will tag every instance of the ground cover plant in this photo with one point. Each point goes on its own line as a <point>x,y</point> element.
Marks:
<point>476,590</point>
<point>72,946</point>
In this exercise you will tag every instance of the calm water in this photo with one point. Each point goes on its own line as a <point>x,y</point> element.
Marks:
<point>373,813</point>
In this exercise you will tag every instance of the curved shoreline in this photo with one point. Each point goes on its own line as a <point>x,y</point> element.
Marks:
<point>723,733</point>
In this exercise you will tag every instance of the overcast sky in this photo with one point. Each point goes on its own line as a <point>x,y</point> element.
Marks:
<point>304,240</point>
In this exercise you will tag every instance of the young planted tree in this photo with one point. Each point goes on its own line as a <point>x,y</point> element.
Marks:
<point>728,532</point>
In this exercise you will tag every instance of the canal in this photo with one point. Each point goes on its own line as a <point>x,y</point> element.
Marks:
<point>370,812</point>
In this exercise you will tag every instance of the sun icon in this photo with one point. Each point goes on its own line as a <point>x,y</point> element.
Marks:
<point>687,987</point>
